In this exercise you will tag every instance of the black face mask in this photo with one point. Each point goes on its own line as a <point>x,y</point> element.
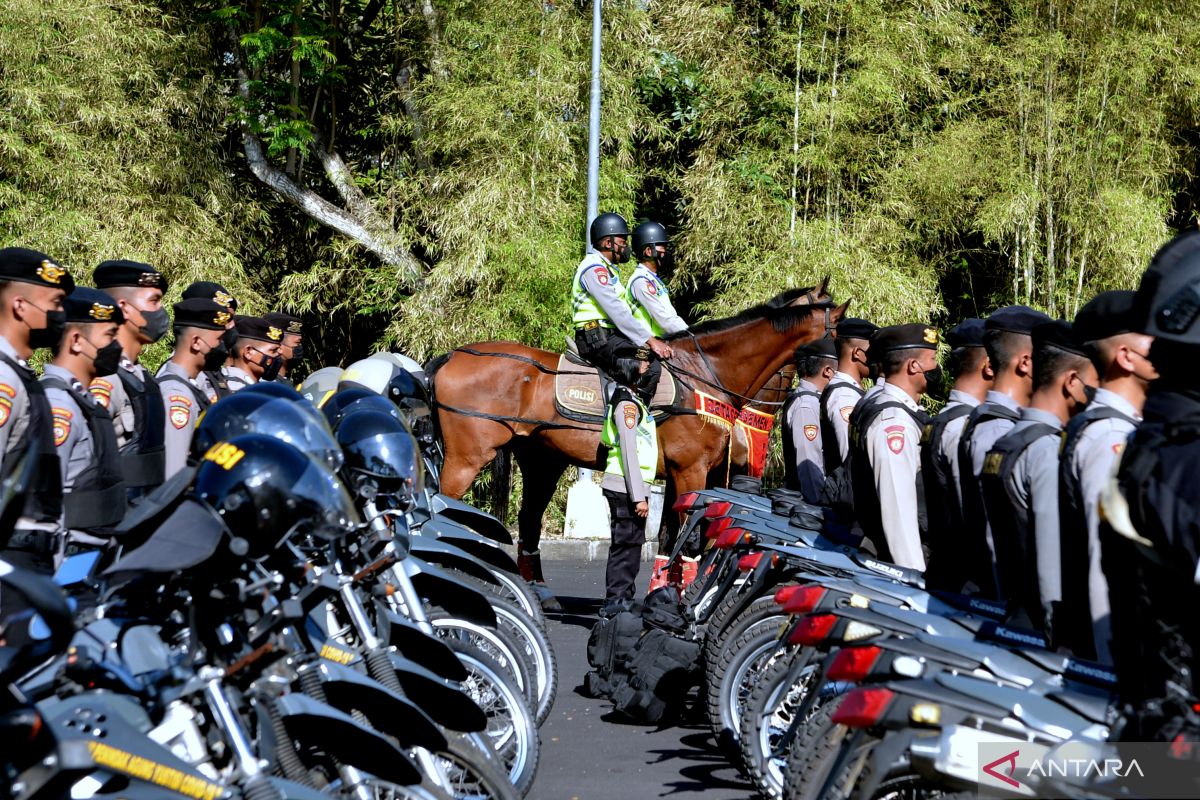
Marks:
<point>297,354</point>
<point>107,359</point>
<point>229,338</point>
<point>621,255</point>
<point>157,324</point>
<point>216,357</point>
<point>271,366</point>
<point>935,383</point>
<point>51,335</point>
<point>874,370</point>
<point>1090,393</point>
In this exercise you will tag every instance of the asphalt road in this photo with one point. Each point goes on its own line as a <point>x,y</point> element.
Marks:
<point>586,754</point>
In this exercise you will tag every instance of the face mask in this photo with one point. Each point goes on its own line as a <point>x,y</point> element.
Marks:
<point>297,354</point>
<point>107,359</point>
<point>229,339</point>
<point>1089,392</point>
<point>49,336</point>
<point>874,370</point>
<point>621,255</point>
<point>157,324</point>
<point>216,357</point>
<point>271,366</point>
<point>935,383</point>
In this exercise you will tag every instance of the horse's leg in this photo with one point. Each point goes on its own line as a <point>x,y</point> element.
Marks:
<point>470,446</point>
<point>540,471</point>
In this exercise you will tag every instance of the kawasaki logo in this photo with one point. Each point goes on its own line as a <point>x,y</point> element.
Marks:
<point>1016,636</point>
<point>987,608</point>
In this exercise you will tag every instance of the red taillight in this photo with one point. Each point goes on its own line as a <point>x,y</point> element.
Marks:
<point>749,561</point>
<point>785,594</point>
<point>718,509</point>
<point>863,708</point>
<point>685,501</point>
<point>852,664</point>
<point>717,527</point>
<point>729,538</point>
<point>813,629</point>
<point>804,599</point>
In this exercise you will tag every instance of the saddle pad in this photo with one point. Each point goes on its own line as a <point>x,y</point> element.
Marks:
<point>578,395</point>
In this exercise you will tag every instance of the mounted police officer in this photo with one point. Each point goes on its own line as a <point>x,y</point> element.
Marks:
<point>132,395</point>
<point>885,441</point>
<point>803,459</point>
<point>1091,446</point>
<point>291,347</point>
<point>214,381</point>
<point>972,376</point>
<point>646,293</point>
<point>93,484</point>
<point>1150,515</point>
<point>200,330</point>
<point>257,355</point>
<point>845,389</point>
<point>32,289</point>
<point>606,332</point>
<point>1007,339</point>
<point>1020,475</point>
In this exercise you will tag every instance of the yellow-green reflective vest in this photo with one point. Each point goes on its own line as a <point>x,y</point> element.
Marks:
<point>584,307</point>
<point>639,311</point>
<point>646,436</point>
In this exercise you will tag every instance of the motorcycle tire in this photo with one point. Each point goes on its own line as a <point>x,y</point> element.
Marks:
<point>467,774</point>
<point>767,715</point>
<point>731,678</point>
<point>715,639</point>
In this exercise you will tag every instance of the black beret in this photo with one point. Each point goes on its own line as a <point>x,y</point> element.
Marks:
<point>1015,319</point>
<point>201,312</point>
<point>120,272</point>
<point>1167,304</point>
<point>914,336</point>
<point>821,348</point>
<point>1107,314</point>
<point>1059,335</point>
<point>258,329</point>
<point>854,328</point>
<point>968,333</point>
<point>285,322</point>
<point>30,266</point>
<point>211,291</point>
<point>86,304</point>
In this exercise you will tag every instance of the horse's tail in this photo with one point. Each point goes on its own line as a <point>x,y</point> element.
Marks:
<point>502,478</point>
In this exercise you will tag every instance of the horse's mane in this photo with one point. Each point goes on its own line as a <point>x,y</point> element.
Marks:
<point>781,315</point>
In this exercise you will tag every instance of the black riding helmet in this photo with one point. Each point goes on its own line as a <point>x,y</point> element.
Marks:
<point>247,412</point>
<point>265,490</point>
<point>379,449</point>
<point>285,392</point>
<point>648,233</point>
<point>356,399</point>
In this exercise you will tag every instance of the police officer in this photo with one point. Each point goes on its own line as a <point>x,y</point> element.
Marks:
<point>1150,515</point>
<point>257,354</point>
<point>214,382</point>
<point>132,395</point>
<point>32,288</point>
<point>1020,475</point>
<point>1007,339</point>
<point>885,460</point>
<point>292,345</point>
<point>646,294</point>
<point>1093,441</point>
<point>606,332</point>
<point>94,496</point>
<point>803,460</point>
<point>632,441</point>
<point>199,346</point>
<point>972,376</point>
<point>844,390</point>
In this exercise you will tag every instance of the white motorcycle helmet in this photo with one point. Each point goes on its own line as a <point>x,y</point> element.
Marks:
<point>320,385</point>
<point>404,362</point>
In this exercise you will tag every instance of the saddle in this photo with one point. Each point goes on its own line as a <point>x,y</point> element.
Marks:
<point>582,391</point>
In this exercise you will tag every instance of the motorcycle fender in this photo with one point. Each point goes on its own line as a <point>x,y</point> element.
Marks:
<point>450,557</point>
<point>473,518</point>
<point>416,645</point>
<point>890,750</point>
<point>441,699</point>
<point>348,690</point>
<point>483,548</point>
<point>310,722</point>
<point>445,591</point>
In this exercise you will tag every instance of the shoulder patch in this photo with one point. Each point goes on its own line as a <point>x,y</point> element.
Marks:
<point>180,411</point>
<point>845,412</point>
<point>651,287</point>
<point>5,410</point>
<point>62,424</point>
<point>8,391</point>
<point>631,415</point>
<point>895,438</point>
<point>810,432</point>
<point>101,390</point>
<point>1118,447</point>
<point>601,276</point>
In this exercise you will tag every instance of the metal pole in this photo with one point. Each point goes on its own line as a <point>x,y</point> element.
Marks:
<point>593,180</point>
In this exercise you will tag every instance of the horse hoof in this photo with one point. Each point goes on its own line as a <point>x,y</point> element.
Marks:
<point>545,596</point>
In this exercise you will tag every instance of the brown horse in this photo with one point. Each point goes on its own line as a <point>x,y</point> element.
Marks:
<point>502,396</point>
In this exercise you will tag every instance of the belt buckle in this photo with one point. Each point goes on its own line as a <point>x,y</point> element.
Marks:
<point>589,326</point>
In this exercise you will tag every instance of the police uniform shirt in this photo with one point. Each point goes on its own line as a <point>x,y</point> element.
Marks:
<point>649,290</point>
<point>72,435</point>
<point>1098,447</point>
<point>893,443</point>
<point>804,426</point>
<point>110,392</point>
<point>839,404</point>
<point>597,280</point>
<point>876,388</point>
<point>182,411</point>
<point>14,404</point>
<point>952,433</point>
<point>1032,486</point>
<point>238,378</point>
<point>986,433</point>
<point>205,385</point>
<point>631,482</point>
